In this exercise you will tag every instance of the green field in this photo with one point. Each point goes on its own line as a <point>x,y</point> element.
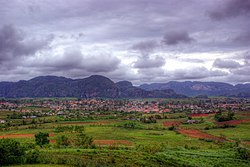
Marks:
<point>144,144</point>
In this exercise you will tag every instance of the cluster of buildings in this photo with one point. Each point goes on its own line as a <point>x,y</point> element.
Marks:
<point>62,106</point>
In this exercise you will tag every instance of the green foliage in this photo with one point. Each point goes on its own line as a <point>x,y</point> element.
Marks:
<point>83,140</point>
<point>131,125</point>
<point>31,156</point>
<point>219,117</point>
<point>11,152</point>
<point>62,141</point>
<point>42,138</point>
<point>242,153</point>
<point>72,129</point>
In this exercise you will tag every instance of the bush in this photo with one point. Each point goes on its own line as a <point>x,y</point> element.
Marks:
<point>11,152</point>
<point>172,128</point>
<point>32,157</point>
<point>62,141</point>
<point>131,125</point>
<point>219,117</point>
<point>83,140</point>
<point>42,138</point>
<point>242,153</point>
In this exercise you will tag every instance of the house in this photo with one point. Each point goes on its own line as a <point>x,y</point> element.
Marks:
<point>2,121</point>
<point>193,121</point>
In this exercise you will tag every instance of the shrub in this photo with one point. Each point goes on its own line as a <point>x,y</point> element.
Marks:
<point>242,153</point>
<point>131,125</point>
<point>11,152</point>
<point>42,138</point>
<point>219,117</point>
<point>172,128</point>
<point>83,140</point>
<point>62,141</point>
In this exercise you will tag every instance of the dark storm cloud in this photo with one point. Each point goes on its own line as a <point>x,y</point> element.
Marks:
<point>243,38</point>
<point>73,58</point>
<point>229,64</point>
<point>195,73</point>
<point>126,31</point>
<point>147,62</point>
<point>145,47</point>
<point>176,37</point>
<point>14,44</point>
<point>231,8</point>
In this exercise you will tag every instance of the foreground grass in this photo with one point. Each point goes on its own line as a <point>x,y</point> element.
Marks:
<point>143,156</point>
<point>42,165</point>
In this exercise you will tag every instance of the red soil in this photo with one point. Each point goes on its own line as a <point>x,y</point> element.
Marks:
<point>247,142</point>
<point>20,135</point>
<point>198,134</point>
<point>172,123</point>
<point>112,142</point>
<point>200,115</point>
<point>52,141</point>
<point>245,114</point>
<point>233,122</point>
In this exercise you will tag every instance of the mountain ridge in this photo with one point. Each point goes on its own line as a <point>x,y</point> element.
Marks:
<point>196,88</point>
<point>90,87</point>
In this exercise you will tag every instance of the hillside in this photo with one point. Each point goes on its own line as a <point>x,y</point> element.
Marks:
<point>189,88</point>
<point>93,86</point>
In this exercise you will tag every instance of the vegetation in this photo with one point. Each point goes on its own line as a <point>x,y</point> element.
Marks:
<point>220,117</point>
<point>11,152</point>
<point>117,138</point>
<point>42,138</point>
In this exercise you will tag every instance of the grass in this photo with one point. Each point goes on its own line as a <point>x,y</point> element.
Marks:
<point>41,165</point>
<point>240,132</point>
<point>152,144</point>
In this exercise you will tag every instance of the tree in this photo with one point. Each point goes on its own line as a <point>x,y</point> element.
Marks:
<point>11,152</point>
<point>83,140</point>
<point>62,141</point>
<point>224,117</point>
<point>42,138</point>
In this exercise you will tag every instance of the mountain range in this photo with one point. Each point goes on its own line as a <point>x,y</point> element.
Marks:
<point>93,86</point>
<point>103,87</point>
<point>196,88</point>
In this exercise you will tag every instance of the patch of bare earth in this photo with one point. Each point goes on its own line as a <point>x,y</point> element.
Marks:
<point>20,136</point>
<point>172,123</point>
<point>113,142</point>
<point>233,122</point>
<point>194,133</point>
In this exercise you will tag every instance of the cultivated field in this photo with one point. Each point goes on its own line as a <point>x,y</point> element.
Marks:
<point>170,141</point>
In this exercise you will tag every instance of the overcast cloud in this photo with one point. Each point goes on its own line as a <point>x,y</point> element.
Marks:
<point>142,41</point>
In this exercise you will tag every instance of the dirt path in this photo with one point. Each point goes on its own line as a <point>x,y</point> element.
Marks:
<point>20,136</point>
<point>199,134</point>
<point>233,122</point>
<point>171,123</point>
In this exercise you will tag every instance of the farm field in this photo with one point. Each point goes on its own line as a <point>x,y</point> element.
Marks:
<point>169,140</point>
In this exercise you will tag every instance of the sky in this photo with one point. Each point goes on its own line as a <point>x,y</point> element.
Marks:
<point>142,41</point>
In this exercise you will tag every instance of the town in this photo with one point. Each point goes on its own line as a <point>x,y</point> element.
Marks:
<point>32,108</point>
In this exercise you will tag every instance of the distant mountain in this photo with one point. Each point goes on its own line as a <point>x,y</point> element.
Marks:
<point>127,90</point>
<point>196,88</point>
<point>93,86</point>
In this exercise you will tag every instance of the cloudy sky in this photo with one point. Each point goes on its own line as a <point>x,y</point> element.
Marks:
<point>142,41</point>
